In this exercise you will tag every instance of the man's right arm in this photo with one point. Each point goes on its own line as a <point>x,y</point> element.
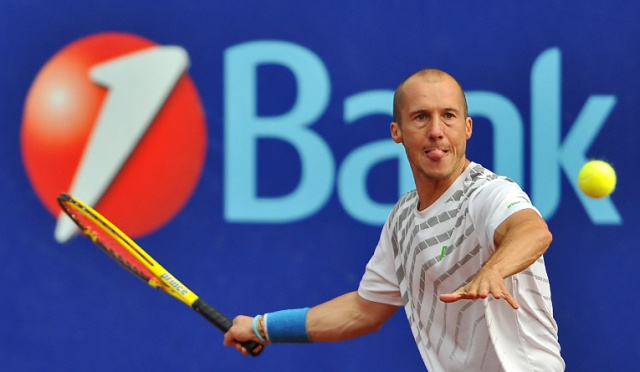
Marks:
<point>342,318</point>
<point>346,317</point>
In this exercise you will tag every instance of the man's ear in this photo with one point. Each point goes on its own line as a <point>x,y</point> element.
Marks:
<point>469,127</point>
<point>396,132</point>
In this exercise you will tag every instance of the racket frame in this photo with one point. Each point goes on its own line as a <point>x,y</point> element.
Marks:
<point>160,279</point>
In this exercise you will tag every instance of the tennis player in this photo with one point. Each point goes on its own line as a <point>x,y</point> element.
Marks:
<point>462,253</point>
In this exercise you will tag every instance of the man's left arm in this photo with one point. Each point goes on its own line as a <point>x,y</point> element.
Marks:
<point>520,240</point>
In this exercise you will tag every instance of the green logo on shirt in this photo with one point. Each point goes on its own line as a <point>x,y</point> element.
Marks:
<point>512,204</point>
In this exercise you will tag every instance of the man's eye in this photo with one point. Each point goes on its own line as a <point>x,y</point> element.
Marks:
<point>421,117</point>
<point>449,115</point>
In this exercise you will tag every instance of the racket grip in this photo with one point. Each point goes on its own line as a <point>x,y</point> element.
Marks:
<point>223,323</point>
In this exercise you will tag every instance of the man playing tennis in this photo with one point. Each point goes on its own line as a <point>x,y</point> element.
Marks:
<point>451,250</point>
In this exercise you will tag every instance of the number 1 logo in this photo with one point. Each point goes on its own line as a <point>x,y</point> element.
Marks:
<point>115,120</point>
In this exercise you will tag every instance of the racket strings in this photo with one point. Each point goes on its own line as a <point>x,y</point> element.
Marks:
<point>110,242</point>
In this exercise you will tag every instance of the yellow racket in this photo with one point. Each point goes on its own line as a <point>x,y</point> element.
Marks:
<point>132,257</point>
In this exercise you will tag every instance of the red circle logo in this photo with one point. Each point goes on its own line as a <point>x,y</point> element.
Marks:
<point>116,120</point>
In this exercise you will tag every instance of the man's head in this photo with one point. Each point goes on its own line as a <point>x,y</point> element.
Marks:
<point>431,121</point>
<point>429,74</point>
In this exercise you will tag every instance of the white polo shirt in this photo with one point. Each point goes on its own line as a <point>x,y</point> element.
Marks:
<point>423,254</point>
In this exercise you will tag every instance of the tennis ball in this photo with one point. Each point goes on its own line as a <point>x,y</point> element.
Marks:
<point>597,179</point>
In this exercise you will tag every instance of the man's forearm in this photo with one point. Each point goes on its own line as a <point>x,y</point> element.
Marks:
<point>345,317</point>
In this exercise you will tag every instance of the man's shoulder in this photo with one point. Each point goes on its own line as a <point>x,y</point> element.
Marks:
<point>480,177</point>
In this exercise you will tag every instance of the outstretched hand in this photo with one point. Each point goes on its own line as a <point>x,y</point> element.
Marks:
<point>488,281</point>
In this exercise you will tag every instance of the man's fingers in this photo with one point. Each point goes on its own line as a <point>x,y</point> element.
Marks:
<point>462,293</point>
<point>241,349</point>
<point>512,301</point>
<point>236,345</point>
<point>449,297</point>
<point>502,292</point>
<point>469,294</point>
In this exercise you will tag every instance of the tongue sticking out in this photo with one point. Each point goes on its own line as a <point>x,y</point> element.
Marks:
<point>436,154</point>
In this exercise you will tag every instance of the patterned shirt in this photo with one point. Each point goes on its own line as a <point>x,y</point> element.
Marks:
<point>423,254</point>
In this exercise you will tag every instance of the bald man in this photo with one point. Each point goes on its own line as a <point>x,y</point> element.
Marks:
<point>462,253</point>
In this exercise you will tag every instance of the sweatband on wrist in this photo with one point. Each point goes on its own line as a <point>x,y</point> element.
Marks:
<point>255,328</point>
<point>287,326</point>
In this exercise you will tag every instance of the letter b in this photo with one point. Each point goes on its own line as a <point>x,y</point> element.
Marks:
<point>243,128</point>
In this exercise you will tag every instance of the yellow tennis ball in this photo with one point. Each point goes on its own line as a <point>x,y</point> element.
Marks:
<point>597,179</point>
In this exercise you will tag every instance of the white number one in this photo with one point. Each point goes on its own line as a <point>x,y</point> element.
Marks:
<point>138,84</point>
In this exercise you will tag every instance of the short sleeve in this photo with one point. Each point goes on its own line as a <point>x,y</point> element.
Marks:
<point>493,203</point>
<point>379,282</point>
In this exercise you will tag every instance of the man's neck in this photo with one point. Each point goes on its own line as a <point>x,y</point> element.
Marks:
<point>430,190</point>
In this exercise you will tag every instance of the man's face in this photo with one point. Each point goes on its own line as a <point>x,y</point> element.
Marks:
<point>434,128</point>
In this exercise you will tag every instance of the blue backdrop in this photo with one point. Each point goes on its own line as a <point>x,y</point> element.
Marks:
<point>299,172</point>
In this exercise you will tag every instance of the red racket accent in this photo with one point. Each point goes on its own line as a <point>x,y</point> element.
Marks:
<point>111,243</point>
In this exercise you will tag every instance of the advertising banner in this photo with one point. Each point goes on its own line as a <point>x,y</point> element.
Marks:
<point>246,146</point>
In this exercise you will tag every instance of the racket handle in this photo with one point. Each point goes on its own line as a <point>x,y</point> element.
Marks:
<point>223,323</point>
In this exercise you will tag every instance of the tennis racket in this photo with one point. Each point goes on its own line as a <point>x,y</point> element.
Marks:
<point>132,257</point>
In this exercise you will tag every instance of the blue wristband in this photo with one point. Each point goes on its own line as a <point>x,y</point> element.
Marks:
<point>287,326</point>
